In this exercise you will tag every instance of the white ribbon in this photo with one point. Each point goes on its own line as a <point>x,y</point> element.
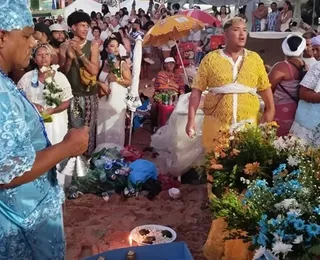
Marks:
<point>234,89</point>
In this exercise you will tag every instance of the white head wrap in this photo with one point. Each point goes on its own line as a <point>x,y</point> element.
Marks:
<point>315,41</point>
<point>288,52</point>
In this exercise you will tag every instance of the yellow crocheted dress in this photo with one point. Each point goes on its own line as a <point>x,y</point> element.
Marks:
<point>216,70</point>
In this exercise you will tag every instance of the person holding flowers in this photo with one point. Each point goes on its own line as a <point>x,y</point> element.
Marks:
<point>50,91</point>
<point>114,78</point>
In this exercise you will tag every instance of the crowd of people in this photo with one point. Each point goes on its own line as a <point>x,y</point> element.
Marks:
<point>72,97</point>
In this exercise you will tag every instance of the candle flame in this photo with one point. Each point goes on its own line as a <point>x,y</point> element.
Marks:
<point>130,240</point>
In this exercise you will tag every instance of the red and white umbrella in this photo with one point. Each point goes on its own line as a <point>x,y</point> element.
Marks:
<point>202,16</point>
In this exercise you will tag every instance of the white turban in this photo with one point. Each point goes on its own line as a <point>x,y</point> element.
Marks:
<point>315,41</point>
<point>288,52</point>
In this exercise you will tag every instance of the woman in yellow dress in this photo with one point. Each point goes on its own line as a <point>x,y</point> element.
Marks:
<point>234,77</point>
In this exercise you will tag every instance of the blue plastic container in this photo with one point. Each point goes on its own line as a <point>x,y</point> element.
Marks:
<point>171,251</point>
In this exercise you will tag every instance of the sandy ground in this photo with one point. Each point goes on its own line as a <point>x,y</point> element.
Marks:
<point>93,225</point>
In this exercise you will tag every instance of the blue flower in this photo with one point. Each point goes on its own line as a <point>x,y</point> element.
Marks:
<point>262,239</point>
<point>295,172</point>
<point>317,210</point>
<point>274,222</point>
<point>261,183</point>
<point>281,167</point>
<point>280,233</point>
<point>313,229</point>
<point>291,217</point>
<point>294,184</point>
<point>279,189</point>
<point>298,224</point>
<point>248,194</point>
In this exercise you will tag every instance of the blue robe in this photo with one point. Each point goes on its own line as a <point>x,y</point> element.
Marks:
<point>31,224</point>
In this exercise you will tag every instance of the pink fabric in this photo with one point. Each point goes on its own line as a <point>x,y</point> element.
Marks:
<point>284,116</point>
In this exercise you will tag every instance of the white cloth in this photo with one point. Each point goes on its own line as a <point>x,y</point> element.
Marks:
<point>286,25</point>
<point>122,51</point>
<point>288,52</point>
<point>90,36</point>
<point>58,128</point>
<point>234,89</point>
<point>307,113</point>
<point>124,20</point>
<point>177,151</point>
<point>112,114</point>
<point>310,61</point>
<point>133,99</point>
<point>105,35</point>
<point>195,36</point>
<point>116,28</point>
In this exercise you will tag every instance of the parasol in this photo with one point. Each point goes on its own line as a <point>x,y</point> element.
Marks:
<point>172,28</point>
<point>202,16</point>
<point>133,99</point>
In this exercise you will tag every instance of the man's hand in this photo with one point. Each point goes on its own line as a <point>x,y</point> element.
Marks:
<point>268,116</point>
<point>75,44</point>
<point>76,141</point>
<point>38,107</point>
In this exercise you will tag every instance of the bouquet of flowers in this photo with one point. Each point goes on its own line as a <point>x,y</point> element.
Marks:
<point>280,218</point>
<point>112,61</point>
<point>51,91</point>
<point>248,152</point>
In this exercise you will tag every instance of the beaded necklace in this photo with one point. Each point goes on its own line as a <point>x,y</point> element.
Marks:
<point>24,95</point>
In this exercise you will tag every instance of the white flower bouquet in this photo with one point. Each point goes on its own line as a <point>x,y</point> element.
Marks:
<point>51,91</point>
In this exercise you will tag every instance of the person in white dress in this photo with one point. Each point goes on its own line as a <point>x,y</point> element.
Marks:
<point>114,78</point>
<point>32,83</point>
<point>286,16</point>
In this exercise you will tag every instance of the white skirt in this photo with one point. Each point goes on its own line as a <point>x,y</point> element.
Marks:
<point>112,116</point>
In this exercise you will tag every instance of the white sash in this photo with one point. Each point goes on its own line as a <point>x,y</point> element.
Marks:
<point>234,89</point>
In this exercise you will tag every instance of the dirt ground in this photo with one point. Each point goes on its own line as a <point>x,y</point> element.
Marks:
<point>93,225</point>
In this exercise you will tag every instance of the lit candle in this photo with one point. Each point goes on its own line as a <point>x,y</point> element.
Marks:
<point>130,240</point>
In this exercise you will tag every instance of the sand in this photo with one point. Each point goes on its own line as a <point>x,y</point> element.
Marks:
<point>93,225</point>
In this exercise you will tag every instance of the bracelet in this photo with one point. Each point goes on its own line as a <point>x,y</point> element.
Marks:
<point>82,55</point>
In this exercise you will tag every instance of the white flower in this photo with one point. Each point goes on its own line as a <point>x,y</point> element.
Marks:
<point>259,252</point>
<point>46,92</point>
<point>55,67</point>
<point>298,239</point>
<point>287,204</point>
<point>297,212</point>
<point>48,80</point>
<point>293,161</point>
<point>44,69</point>
<point>280,144</point>
<point>280,247</point>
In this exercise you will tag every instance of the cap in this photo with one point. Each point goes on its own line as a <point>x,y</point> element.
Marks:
<point>169,59</point>
<point>56,27</point>
<point>14,15</point>
<point>315,41</point>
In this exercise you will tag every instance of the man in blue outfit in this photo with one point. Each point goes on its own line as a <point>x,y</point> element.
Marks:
<point>31,225</point>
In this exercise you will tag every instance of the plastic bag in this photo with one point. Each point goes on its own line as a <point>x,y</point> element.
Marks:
<point>175,148</point>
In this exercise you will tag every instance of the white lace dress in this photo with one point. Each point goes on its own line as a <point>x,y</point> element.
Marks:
<point>58,128</point>
<point>112,114</point>
<point>307,121</point>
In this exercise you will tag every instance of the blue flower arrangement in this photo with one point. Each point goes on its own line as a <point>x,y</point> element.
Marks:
<point>281,218</point>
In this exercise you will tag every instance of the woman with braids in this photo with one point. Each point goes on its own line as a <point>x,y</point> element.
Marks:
<point>114,78</point>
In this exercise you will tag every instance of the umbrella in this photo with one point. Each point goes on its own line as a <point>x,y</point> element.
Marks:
<point>202,16</point>
<point>172,28</point>
<point>133,99</point>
